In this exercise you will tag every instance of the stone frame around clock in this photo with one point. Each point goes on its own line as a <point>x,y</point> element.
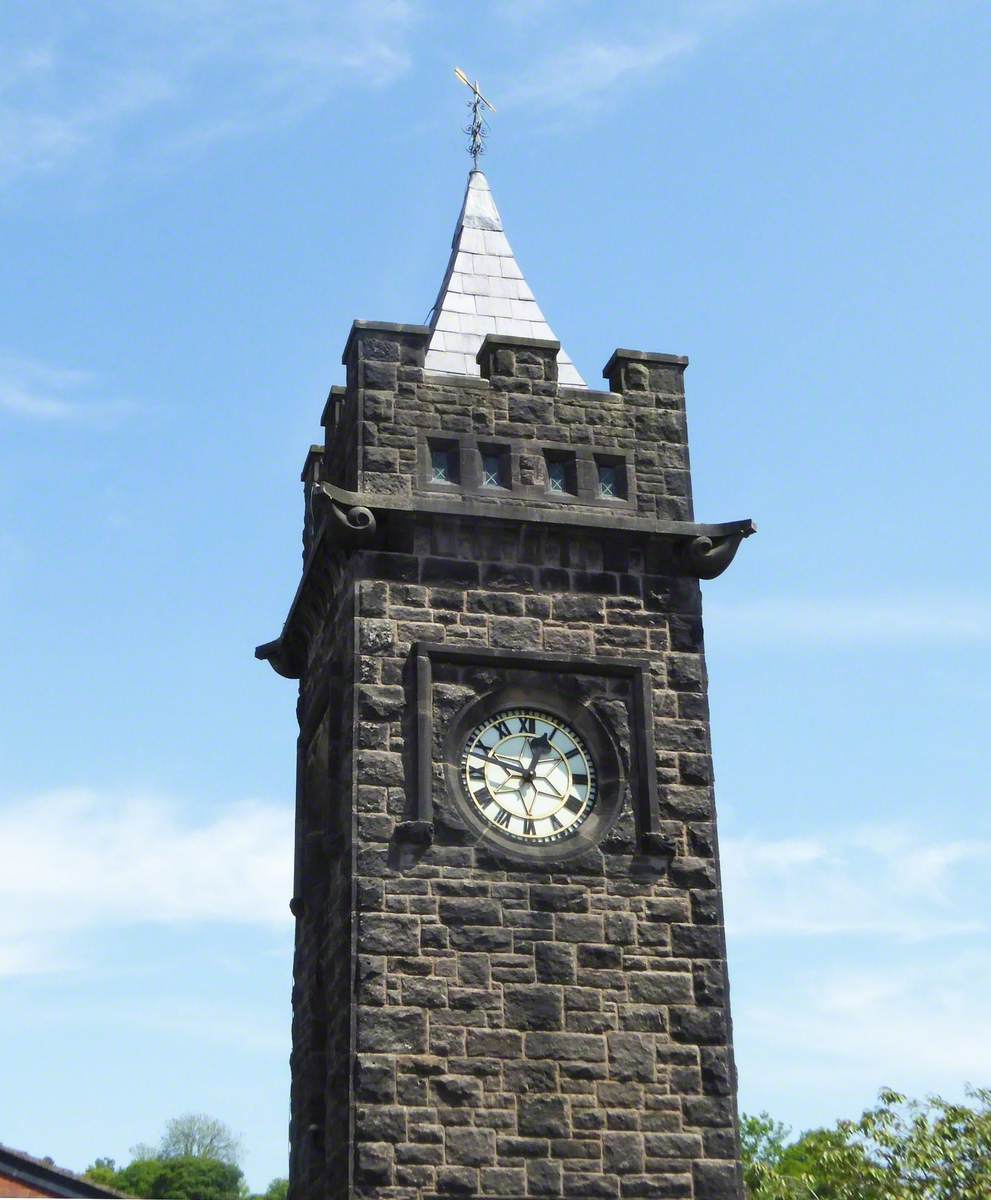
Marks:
<point>642,782</point>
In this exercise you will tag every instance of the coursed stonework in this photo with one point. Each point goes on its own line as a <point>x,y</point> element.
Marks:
<point>464,1024</point>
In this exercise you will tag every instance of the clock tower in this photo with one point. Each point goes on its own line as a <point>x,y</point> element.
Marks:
<point>510,969</point>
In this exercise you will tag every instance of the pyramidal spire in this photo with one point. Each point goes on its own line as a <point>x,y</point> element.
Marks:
<point>484,292</point>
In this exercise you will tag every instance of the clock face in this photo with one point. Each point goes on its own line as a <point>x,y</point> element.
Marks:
<point>529,775</point>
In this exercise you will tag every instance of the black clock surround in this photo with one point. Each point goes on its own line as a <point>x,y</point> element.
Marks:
<point>548,676</point>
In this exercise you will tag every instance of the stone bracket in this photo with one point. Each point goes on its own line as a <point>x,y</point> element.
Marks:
<point>347,524</point>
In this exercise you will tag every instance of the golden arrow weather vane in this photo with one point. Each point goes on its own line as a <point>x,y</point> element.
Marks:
<point>478,129</point>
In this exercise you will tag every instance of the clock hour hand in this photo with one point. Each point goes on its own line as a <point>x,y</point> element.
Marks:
<point>540,747</point>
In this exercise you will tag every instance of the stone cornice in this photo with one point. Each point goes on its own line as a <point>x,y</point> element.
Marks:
<point>352,521</point>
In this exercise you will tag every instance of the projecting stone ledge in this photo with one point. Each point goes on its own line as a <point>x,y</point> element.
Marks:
<point>351,521</point>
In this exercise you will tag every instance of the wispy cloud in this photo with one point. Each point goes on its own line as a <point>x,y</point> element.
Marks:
<point>633,45</point>
<point>78,859</point>
<point>838,1030</point>
<point>898,882</point>
<point>582,74</point>
<point>920,619</point>
<point>156,78</point>
<point>38,392</point>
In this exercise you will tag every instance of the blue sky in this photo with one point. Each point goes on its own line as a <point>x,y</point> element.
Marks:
<point>196,199</point>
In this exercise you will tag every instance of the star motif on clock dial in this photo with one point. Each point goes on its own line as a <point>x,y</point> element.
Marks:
<point>529,775</point>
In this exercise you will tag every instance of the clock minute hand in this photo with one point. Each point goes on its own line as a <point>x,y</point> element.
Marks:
<point>499,762</point>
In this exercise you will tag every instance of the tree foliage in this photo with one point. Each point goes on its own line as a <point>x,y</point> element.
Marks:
<point>278,1189</point>
<point>899,1150</point>
<point>196,1159</point>
<point>195,1135</point>
<point>181,1177</point>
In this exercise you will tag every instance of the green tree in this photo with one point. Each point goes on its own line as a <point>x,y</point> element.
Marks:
<point>899,1150</point>
<point>830,1165</point>
<point>278,1189</point>
<point>195,1135</point>
<point>103,1171</point>
<point>762,1144</point>
<point>932,1149</point>
<point>182,1177</point>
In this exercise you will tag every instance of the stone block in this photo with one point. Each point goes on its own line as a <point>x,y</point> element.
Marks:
<point>716,1181</point>
<point>515,633</point>
<point>631,1057</point>
<point>543,1116</point>
<point>554,963</point>
<point>537,1006</point>
<point>544,1178</point>
<point>374,1163</point>
<point>701,1026</point>
<point>380,1123</point>
<point>660,987</point>
<point>509,1182</point>
<point>392,1030</point>
<point>470,1147</point>
<point>534,1076</point>
<point>578,928</point>
<point>375,1079</point>
<point>559,898</point>
<point>457,1181</point>
<point>622,1153</point>
<point>470,910</point>
<point>390,935</point>
<point>495,1043</point>
<point>580,1047</point>
<point>697,941</point>
<point>456,1091</point>
<point>673,1145</point>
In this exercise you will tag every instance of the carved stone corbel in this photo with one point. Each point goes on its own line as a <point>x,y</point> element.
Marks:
<point>707,557</point>
<point>348,525</point>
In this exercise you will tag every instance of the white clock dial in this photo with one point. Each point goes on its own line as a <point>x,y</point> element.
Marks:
<point>529,775</point>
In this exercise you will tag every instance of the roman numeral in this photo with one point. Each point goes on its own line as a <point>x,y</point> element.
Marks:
<point>574,804</point>
<point>579,780</point>
<point>529,827</point>
<point>503,730</point>
<point>504,818</point>
<point>555,823</point>
<point>573,752</point>
<point>527,724</point>
<point>476,772</point>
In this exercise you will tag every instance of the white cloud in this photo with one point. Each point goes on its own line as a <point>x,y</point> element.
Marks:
<point>193,71</point>
<point>864,882</point>
<point>822,1036</point>
<point>585,70</point>
<point>858,959</point>
<point>77,860</point>
<point>581,74</point>
<point>40,392</point>
<point>924,618</point>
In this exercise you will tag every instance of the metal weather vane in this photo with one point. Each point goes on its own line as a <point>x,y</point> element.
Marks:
<point>478,129</point>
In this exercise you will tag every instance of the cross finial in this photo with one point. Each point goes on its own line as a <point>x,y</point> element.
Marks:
<point>478,128</point>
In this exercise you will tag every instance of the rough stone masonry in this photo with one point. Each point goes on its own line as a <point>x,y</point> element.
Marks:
<point>467,1024</point>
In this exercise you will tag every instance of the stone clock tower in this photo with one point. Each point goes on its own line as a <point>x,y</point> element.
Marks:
<point>510,975</point>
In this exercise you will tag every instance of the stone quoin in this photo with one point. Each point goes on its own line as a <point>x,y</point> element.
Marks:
<point>510,969</point>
